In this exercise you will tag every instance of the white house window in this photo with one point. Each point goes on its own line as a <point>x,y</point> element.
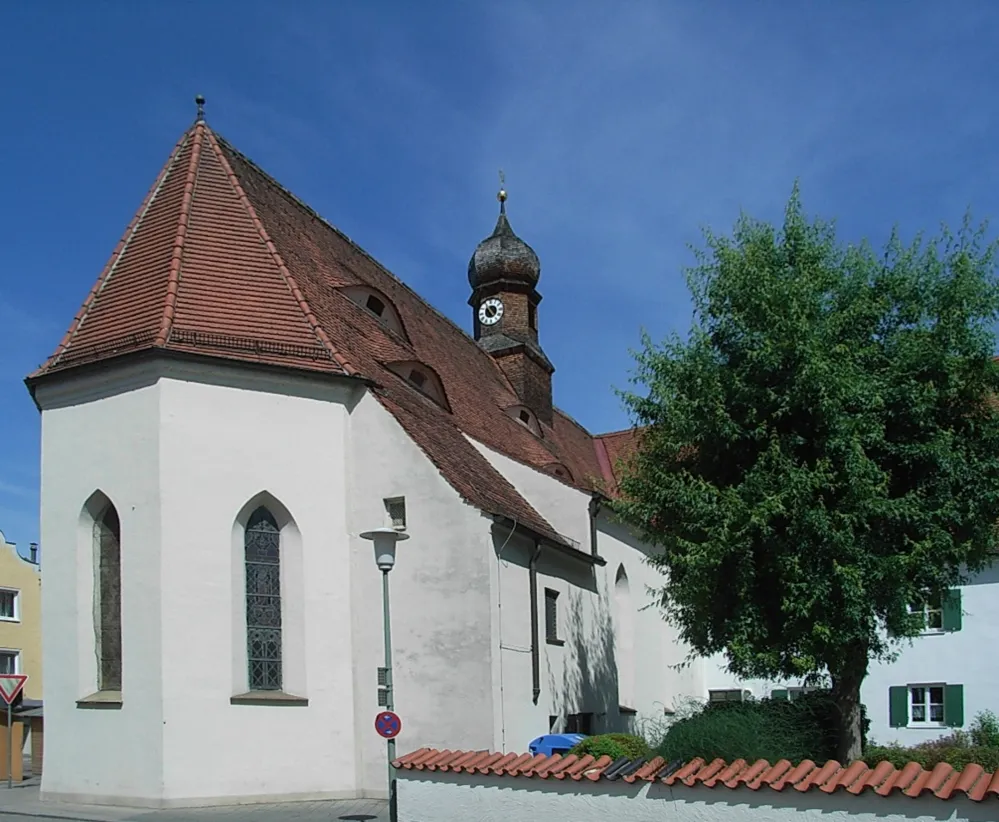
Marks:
<point>930,613</point>
<point>262,556</point>
<point>926,705</point>
<point>9,605</point>
<point>9,662</point>
<point>792,693</point>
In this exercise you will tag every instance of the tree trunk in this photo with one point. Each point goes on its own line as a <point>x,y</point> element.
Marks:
<point>846,684</point>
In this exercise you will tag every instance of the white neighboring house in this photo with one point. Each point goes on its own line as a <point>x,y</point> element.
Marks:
<point>244,392</point>
<point>938,683</point>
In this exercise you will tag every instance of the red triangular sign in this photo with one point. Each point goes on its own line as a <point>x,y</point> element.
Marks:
<point>10,686</point>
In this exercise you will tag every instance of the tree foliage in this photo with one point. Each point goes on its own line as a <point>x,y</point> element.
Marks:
<point>823,449</point>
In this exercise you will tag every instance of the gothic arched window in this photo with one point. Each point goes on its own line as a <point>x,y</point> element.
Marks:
<point>262,557</point>
<point>107,539</point>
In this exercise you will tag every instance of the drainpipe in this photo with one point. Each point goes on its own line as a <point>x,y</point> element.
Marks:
<point>595,505</point>
<point>535,649</point>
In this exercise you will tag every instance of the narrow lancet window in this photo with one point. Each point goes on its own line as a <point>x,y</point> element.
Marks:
<point>262,552</point>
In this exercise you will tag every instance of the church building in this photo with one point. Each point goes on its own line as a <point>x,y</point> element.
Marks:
<point>243,393</point>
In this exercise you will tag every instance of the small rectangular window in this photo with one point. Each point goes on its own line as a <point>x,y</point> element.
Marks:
<point>926,705</point>
<point>532,316</point>
<point>929,614</point>
<point>579,724</point>
<point>551,616</point>
<point>9,662</point>
<point>728,695</point>
<point>8,604</point>
<point>395,507</point>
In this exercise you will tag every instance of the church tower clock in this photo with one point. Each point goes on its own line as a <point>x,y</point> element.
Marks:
<point>504,273</point>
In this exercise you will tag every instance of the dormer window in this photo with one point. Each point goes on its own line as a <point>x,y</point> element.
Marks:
<point>559,470</point>
<point>377,305</point>
<point>374,305</point>
<point>423,378</point>
<point>526,417</point>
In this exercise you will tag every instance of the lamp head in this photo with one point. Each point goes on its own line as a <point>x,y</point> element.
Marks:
<point>385,540</point>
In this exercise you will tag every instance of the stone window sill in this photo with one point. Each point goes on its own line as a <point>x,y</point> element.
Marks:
<point>624,709</point>
<point>102,700</point>
<point>267,698</point>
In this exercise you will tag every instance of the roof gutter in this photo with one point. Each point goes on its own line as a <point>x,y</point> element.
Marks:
<point>547,541</point>
<point>532,571</point>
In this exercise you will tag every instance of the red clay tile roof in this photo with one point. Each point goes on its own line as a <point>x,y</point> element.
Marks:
<point>884,779</point>
<point>196,271</point>
<point>222,261</point>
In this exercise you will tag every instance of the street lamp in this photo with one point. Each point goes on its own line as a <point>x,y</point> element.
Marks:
<point>385,540</point>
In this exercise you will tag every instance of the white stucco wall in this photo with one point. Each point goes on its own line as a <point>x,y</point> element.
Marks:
<point>101,433</point>
<point>229,441</point>
<point>440,797</point>
<point>582,675</point>
<point>181,450</point>
<point>961,657</point>
<point>440,601</point>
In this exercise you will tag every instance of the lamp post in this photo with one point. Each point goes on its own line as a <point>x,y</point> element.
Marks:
<point>385,540</point>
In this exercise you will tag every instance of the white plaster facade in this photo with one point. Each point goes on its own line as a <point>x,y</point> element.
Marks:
<point>446,797</point>
<point>185,450</point>
<point>937,658</point>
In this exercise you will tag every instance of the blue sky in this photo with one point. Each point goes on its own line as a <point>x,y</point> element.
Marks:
<point>623,128</point>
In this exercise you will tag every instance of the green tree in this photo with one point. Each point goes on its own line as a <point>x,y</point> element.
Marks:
<point>822,450</point>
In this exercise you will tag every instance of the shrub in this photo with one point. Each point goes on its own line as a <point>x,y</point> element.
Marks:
<point>613,745</point>
<point>930,755</point>
<point>984,731</point>
<point>770,729</point>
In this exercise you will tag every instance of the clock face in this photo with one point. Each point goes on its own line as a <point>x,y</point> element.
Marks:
<point>490,311</point>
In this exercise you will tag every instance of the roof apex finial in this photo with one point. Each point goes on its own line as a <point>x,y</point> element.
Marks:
<point>200,103</point>
<point>501,196</point>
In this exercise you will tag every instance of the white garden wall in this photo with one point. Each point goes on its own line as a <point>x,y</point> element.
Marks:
<point>448,797</point>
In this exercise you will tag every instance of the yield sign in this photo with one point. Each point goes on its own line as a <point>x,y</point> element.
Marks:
<point>10,686</point>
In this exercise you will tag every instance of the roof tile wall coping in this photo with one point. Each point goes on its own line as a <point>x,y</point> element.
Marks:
<point>883,779</point>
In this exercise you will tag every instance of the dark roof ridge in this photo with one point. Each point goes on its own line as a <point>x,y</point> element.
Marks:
<point>619,431</point>
<point>571,419</point>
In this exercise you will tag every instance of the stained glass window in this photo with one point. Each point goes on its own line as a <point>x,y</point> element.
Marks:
<point>107,535</point>
<point>262,543</point>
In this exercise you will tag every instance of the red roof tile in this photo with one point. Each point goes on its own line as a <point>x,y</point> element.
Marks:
<point>222,261</point>
<point>884,779</point>
<point>196,271</point>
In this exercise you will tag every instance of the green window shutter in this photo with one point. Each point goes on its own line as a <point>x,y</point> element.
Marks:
<point>951,605</point>
<point>953,706</point>
<point>898,706</point>
<point>778,693</point>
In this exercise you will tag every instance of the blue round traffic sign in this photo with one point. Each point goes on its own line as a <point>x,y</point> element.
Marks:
<point>388,724</point>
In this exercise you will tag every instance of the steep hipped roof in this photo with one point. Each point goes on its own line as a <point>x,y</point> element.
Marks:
<point>221,261</point>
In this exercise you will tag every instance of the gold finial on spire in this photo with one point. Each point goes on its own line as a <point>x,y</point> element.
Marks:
<point>501,196</point>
